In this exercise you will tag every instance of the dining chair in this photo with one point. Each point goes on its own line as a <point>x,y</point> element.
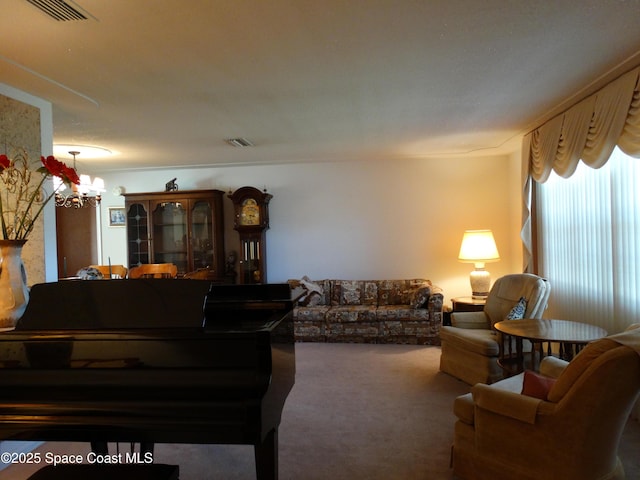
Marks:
<point>111,271</point>
<point>154,270</point>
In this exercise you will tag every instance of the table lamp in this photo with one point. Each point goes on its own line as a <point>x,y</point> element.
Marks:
<point>479,247</point>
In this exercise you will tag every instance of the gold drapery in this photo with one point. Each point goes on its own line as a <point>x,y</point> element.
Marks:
<point>588,131</point>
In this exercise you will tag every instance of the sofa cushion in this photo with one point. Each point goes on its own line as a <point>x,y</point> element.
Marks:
<point>351,313</point>
<point>390,292</point>
<point>401,313</point>
<point>483,342</point>
<point>354,292</point>
<point>393,312</point>
<point>400,292</point>
<point>311,313</point>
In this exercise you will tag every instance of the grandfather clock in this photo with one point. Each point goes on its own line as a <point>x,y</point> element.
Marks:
<point>251,220</point>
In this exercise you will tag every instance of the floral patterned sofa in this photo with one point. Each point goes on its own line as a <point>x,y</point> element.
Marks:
<point>368,311</point>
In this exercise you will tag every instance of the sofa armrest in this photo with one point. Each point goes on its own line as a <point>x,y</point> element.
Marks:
<point>552,366</point>
<point>434,305</point>
<point>506,403</point>
<point>471,320</point>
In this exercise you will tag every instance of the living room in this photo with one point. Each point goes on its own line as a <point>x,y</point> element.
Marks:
<point>341,208</point>
<point>388,211</point>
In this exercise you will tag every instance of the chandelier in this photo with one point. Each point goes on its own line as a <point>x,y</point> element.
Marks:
<point>87,194</point>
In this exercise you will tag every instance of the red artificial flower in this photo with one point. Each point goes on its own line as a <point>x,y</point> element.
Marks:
<point>4,162</point>
<point>59,169</point>
<point>71,174</point>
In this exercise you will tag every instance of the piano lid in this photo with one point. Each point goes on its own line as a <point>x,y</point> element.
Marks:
<point>149,322</point>
<point>227,304</point>
<point>117,304</point>
<point>148,304</point>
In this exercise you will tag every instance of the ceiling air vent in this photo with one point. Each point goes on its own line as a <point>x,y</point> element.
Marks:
<point>239,142</point>
<point>58,9</point>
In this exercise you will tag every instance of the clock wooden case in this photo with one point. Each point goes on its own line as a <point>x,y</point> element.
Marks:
<point>251,220</point>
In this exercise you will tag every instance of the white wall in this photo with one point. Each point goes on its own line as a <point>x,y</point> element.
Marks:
<point>361,220</point>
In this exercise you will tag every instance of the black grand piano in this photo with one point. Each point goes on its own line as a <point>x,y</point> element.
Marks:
<point>150,361</point>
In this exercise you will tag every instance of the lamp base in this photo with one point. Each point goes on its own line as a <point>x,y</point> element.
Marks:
<point>480,282</point>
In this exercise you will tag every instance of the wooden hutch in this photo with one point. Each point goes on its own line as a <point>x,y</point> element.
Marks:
<point>185,228</point>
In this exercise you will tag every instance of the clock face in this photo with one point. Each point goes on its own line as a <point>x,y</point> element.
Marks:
<point>249,213</point>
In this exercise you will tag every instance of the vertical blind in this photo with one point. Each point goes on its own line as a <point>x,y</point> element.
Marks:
<point>589,243</point>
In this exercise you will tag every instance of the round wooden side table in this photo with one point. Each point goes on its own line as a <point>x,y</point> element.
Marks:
<point>571,337</point>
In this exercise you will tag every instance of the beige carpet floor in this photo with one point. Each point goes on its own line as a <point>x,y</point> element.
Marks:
<point>376,412</point>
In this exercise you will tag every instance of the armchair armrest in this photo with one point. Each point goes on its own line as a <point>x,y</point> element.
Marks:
<point>472,320</point>
<point>552,366</point>
<point>506,403</point>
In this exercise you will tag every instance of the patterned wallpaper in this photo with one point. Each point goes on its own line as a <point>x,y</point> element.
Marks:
<point>20,126</point>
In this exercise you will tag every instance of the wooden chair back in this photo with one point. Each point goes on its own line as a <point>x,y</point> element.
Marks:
<point>154,270</point>
<point>119,270</point>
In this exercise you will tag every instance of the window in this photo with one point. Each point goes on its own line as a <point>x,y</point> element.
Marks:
<point>589,243</point>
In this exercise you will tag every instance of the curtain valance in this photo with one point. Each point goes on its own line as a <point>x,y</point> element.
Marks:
<point>588,131</point>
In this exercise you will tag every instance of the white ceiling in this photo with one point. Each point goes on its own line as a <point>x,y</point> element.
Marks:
<point>163,83</point>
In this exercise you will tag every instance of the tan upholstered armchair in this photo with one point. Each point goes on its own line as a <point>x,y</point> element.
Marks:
<point>470,347</point>
<point>572,432</point>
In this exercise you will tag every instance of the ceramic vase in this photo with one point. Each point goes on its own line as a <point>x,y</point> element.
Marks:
<point>14,294</point>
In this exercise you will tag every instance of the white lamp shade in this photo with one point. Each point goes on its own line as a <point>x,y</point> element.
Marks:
<point>98,185</point>
<point>85,184</point>
<point>478,246</point>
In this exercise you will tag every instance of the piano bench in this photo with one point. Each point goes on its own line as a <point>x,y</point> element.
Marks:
<point>154,471</point>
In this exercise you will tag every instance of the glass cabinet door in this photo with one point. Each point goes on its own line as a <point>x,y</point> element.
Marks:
<point>183,228</point>
<point>170,235</point>
<point>202,239</point>
<point>251,269</point>
<point>138,234</point>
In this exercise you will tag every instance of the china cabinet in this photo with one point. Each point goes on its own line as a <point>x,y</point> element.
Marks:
<point>185,228</point>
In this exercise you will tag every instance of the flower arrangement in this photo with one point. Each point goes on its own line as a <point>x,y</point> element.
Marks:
<point>23,197</point>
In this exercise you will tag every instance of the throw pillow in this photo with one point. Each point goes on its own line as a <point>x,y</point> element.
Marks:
<point>517,312</point>
<point>311,300</point>
<point>89,273</point>
<point>347,292</point>
<point>313,294</point>
<point>536,385</point>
